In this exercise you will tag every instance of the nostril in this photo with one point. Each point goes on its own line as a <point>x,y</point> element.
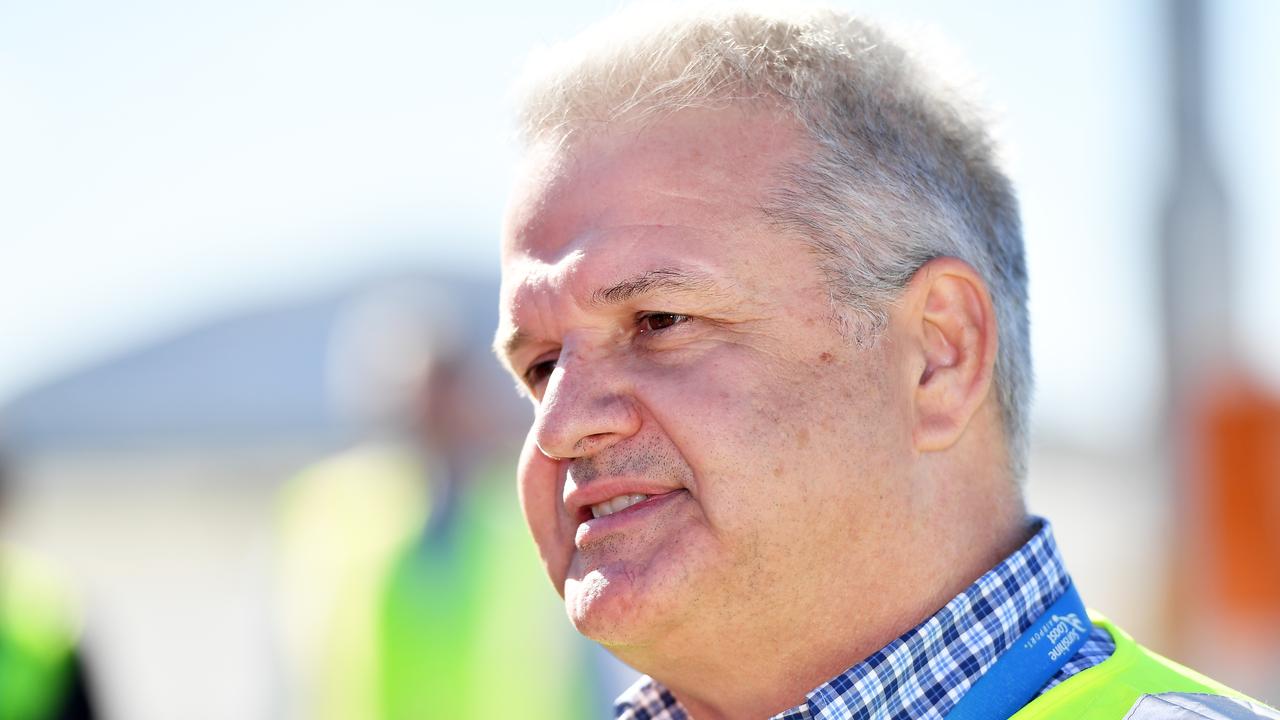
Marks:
<point>589,444</point>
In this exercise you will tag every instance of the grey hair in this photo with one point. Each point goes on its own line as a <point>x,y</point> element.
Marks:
<point>904,168</point>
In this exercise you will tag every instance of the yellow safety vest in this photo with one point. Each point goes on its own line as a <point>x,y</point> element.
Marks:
<point>1137,684</point>
<point>37,638</point>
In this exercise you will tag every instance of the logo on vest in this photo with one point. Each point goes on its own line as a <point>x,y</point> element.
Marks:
<point>1061,632</point>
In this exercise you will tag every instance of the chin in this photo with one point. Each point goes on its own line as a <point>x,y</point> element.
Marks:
<point>609,608</point>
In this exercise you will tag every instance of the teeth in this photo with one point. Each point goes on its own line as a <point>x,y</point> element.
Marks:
<point>609,507</point>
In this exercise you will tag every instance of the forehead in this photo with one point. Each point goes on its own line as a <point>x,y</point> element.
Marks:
<point>686,187</point>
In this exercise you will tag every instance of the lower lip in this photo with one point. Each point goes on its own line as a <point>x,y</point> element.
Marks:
<point>631,514</point>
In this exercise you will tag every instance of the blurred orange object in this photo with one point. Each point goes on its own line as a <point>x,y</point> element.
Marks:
<point>1226,613</point>
<point>1237,474</point>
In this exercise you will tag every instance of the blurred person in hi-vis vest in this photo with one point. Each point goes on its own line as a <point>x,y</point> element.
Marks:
<point>407,584</point>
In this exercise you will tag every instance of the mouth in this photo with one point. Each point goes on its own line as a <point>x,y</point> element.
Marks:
<point>620,511</point>
<point>617,504</point>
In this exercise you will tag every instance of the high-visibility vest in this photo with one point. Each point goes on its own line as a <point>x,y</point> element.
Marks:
<point>386,624</point>
<point>1137,684</point>
<point>342,522</point>
<point>471,629</point>
<point>38,631</point>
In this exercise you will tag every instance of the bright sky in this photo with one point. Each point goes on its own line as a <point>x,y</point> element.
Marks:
<point>164,163</point>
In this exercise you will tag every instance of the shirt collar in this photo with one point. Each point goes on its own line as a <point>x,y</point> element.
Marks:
<point>928,668</point>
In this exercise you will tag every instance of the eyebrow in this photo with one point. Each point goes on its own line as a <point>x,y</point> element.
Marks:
<point>673,280</point>
<point>669,280</point>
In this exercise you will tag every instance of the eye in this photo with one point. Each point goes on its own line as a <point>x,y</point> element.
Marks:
<point>539,372</point>
<point>656,322</point>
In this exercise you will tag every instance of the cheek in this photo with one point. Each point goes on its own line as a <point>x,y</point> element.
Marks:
<point>784,440</point>
<point>707,409</point>
<point>841,429</point>
<point>541,490</point>
<point>736,403</point>
<point>728,417</point>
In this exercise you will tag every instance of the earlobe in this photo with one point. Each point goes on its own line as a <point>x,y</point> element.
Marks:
<point>956,339</point>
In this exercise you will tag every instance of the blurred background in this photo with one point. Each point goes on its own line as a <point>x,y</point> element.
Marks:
<point>256,459</point>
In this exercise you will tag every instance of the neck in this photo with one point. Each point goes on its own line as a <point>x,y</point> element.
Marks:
<point>768,661</point>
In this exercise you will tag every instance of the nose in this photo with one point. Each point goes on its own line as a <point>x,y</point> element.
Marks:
<point>585,408</point>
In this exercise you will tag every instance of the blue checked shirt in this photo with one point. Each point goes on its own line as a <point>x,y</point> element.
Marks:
<point>929,668</point>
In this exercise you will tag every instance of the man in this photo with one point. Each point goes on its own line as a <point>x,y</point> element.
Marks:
<point>763,281</point>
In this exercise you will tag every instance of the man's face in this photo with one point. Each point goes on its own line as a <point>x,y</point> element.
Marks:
<point>682,352</point>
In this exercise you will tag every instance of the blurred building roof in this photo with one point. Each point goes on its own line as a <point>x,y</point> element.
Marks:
<point>251,378</point>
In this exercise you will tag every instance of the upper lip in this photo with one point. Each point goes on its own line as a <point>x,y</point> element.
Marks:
<point>579,500</point>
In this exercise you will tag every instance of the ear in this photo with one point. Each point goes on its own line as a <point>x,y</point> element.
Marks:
<point>951,330</point>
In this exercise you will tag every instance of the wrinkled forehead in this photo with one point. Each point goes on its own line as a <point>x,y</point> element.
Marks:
<point>682,197</point>
<point>712,167</point>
